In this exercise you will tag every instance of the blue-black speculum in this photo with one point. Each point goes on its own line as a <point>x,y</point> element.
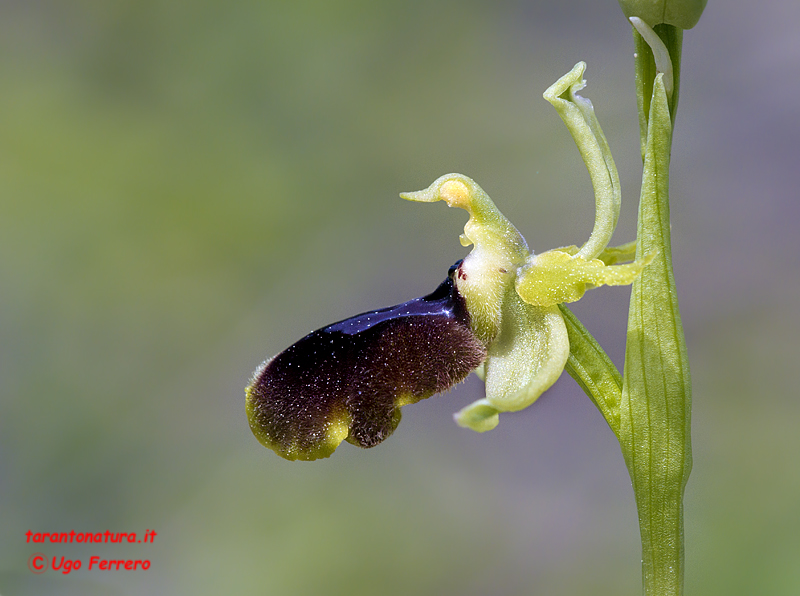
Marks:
<point>347,381</point>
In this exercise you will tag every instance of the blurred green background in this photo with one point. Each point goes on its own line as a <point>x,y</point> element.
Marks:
<point>187,188</point>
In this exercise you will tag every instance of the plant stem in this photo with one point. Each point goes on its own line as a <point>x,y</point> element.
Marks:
<point>655,411</point>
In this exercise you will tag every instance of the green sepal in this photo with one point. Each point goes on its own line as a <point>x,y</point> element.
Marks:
<point>578,115</point>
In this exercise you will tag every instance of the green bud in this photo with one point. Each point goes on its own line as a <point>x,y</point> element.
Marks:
<point>678,13</point>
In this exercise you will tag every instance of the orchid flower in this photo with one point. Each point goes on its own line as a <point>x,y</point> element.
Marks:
<point>497,313</point>
<point>502,313</point>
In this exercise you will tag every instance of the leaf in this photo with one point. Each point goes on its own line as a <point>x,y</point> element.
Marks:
<point>655,411</point>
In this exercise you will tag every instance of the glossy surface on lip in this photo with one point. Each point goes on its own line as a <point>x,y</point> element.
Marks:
<point>436,304</point>
<point>349,379</point>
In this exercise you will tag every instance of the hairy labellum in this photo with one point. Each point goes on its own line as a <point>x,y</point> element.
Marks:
<point>348,380</point>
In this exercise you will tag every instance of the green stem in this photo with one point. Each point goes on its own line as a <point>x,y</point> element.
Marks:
<point>655,412</point>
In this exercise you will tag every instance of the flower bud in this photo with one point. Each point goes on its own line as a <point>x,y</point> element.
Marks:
<point>683,14</point>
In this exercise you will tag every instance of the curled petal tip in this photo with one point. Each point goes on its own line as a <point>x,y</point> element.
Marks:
<point>572,81</point>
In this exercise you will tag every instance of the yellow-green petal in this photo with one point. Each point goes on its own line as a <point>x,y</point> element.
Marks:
<point>556,277</point>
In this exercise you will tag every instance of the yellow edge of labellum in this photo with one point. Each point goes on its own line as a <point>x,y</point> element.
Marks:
<point>406,399</point>
<point>337,429</point>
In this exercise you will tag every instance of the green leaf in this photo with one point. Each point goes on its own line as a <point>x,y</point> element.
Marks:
<point>655,411</point>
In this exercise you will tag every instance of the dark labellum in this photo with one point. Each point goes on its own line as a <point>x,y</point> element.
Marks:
<point>348,380</point>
